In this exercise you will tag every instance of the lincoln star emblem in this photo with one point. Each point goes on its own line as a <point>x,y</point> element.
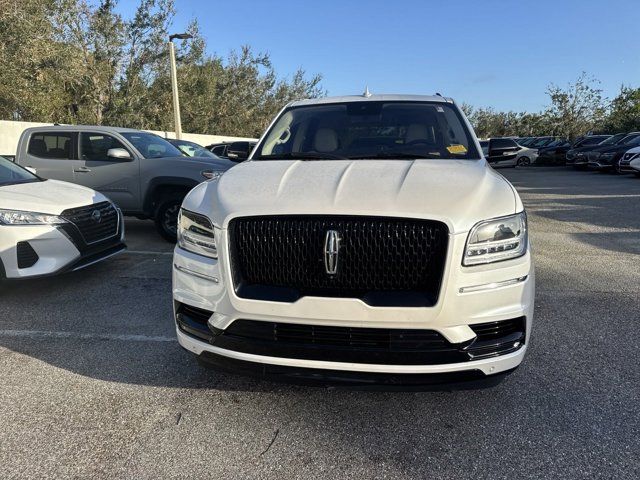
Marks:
<point>331,251</point>
<point>96,216</point>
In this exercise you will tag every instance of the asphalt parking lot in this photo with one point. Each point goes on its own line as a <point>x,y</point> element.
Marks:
<point>93,383</point>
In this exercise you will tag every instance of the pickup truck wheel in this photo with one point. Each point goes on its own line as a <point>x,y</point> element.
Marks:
<point>167,218</point>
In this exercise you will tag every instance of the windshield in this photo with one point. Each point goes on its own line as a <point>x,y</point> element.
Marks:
<point>369,130</point>
<point>613,140</point>
<point>151,146</point>
<point>630,139</point>
<point>541,142</point>
<point>10,173</point>
<point>585,142</point>
<point>192,149</point>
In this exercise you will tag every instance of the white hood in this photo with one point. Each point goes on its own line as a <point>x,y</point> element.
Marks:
<point>457,192</point>
<point>50,196</point>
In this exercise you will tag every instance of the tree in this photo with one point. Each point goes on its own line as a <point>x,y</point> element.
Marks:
<point>576,109</point>
<point>624,113</point>
<point>32,66</point>
<point>79,61</point>
<point>94,38</point>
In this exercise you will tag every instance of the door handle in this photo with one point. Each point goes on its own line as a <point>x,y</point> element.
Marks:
<point>82,170</point>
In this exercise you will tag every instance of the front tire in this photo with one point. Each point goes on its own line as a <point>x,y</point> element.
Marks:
<point>523,162</point>
<point>166,218</point>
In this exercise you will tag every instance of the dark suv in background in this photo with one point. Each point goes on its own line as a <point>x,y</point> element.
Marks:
<point>555,153</point>
<point>231,150</point>
<point>577,156</point>
<point>607,157</point>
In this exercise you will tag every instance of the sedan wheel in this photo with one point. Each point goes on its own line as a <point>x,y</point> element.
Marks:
<point>524,162</point>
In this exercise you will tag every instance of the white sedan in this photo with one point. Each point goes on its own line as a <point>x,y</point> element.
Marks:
<point>630,161</point>
<point>49,227</point>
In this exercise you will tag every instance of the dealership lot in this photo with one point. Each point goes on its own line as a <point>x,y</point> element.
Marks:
<point>94,383</point>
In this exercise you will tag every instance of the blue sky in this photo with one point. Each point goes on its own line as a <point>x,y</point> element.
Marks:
<point>495,53</point>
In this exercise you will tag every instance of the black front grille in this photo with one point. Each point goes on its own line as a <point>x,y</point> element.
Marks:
<point>329,336</point>
<point>383,261</point>
<point>364,345</point>
<point>26,255</point>
<point>94,227</point>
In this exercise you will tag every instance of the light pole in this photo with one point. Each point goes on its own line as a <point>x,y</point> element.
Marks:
<point>174,82</point>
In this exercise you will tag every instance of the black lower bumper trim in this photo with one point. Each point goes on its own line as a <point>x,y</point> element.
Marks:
<point>96,257</point>
<point>467,379</point>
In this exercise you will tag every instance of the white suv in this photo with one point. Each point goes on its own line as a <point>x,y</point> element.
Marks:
<point>365,240</point>
<point>49,227</point>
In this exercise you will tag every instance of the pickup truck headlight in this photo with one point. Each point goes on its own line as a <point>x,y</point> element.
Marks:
<point>19,217</point>
<point>495,240</point>
<point>196,234</point>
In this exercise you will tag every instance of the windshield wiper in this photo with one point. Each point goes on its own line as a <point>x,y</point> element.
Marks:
<point>396,156</point>
<point>301,156</point>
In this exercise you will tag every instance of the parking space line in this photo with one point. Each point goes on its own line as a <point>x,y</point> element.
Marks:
<point>85,336</point>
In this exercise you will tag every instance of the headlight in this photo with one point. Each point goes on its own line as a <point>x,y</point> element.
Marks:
<point>196,234</point>
<point>495,240</point>
<point>18,217</point>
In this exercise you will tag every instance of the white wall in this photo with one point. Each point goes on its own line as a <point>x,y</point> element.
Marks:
<point>10,132</point>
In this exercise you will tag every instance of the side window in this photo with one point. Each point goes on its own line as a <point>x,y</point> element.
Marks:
<point>51,145</point>
<point>503,143</point>
<point>94,146</point>
<point>220,150</point>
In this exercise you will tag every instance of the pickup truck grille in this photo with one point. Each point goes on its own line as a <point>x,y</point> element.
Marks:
<point>382,260</point>
<point>93,226</point>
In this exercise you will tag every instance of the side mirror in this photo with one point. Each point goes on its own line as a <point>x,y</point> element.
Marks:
<point>119,154</point>
<point>239,151</point>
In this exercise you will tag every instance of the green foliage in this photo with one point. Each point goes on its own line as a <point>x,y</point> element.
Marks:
<point>624,115</point>
<point>79,61</point>
<point>76,61</point>
<point>574,110</point>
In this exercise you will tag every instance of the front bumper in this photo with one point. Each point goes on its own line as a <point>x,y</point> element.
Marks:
<point>54,249</point>
<point>469,296</point>
<point>625,165</point>
<point>580,161</point>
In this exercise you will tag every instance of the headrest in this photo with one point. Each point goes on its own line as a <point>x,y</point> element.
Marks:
<point>326,140</point>
<point>417,131</point>
<point>38,147</point>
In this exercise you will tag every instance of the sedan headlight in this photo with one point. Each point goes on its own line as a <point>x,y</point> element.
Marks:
<point>495,240</point>
<point>196,234</point>
<point>19,217</point>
